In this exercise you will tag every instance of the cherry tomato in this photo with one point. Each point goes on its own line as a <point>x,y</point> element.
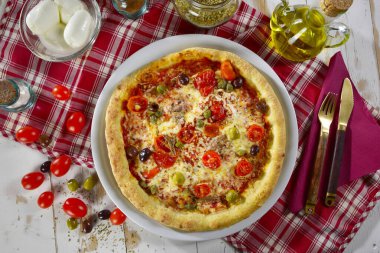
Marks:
<point>243,168</point>
<point>60,165</point>
<point>160,143</point>
<point>117,217</point>
<point>186,134</point>
<point>75,208</point>
<point>202,190</point>
<point>75,122</point>
<point>205,82</point>
<point>137,104</point>
<point>151,173</point>
<point>255,133</point>
<point>211,130</point>
<point>28,134</point>
<point>164,160</point>
<point>211,159</point>
<point>32,180</point>
<point>218,113</point>
<point>227,70</point>
<point>61,92</point>
<point>46,199</point>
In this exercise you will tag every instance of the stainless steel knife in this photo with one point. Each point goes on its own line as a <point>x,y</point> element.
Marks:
<point>346,105</point>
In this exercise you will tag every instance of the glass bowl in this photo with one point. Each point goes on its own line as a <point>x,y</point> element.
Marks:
<point>41,50</point>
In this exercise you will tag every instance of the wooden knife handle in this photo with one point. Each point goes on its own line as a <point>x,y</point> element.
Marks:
<point>335,169</point>
<point>312,195</point>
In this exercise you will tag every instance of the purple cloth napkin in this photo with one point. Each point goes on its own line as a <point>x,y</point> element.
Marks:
<point>362,145</point>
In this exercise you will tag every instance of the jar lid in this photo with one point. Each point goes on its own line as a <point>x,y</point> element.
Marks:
<point>334,8</point>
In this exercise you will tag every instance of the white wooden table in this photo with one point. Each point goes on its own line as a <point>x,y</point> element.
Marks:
<point>24,227</point>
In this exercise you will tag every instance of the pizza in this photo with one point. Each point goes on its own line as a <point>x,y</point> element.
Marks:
<point>196,139</point>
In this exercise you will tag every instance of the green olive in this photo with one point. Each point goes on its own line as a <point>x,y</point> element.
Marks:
<point>73,185</point>
<point>207,114</point>
<point>72,223</point>
<point>90,182</point>
<point>153,119</point>
<point>240,152</point>
<point>222,84</point>
<point>158,114</point>
<point>200,123</point>
<point>179,144</point>
<point>233,133</point>
<point>178,178</point>
<point>229,87</point>
<point>161,89</point>
<point>232,196</point>
<point>153,189</point>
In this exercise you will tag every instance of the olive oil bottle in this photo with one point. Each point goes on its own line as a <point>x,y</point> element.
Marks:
<point>300,32</point>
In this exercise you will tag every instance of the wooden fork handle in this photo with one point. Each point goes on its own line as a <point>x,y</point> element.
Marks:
<point>312,195</point>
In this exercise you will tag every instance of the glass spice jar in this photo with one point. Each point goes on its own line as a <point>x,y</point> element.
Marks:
<point>206,13</point>
<point>16,95</point>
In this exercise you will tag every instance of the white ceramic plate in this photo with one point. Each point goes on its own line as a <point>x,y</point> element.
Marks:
<point>157,50</point>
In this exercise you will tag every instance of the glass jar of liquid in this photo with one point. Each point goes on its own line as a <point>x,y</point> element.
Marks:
<point>16,95</point>
<point>300,32</point>
<point>130,8</point>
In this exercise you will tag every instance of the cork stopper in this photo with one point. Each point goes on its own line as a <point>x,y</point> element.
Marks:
<point>334,8</point>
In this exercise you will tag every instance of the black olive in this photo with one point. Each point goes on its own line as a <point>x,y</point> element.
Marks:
<point>153,107</point>
<point>45,167</point>
<point>262,106</point>
<point>254,150</point>
<point>104,214</point>
<point>145,154</point>
<point>87,226</point>
<point>238,82</point>
<point>183,79</point>
<point>131,152</point>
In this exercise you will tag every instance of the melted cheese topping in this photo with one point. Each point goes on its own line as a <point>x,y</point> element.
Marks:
<point>183,106</point>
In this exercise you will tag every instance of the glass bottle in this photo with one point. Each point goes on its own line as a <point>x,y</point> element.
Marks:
<point>206,13</point>
<point>130,8</point>
<point>16,95</point>
<point>300,32</point>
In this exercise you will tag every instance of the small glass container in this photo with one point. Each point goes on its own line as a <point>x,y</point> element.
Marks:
<point>206,13</point>
<point>130,8</point>
<point>16,95</point>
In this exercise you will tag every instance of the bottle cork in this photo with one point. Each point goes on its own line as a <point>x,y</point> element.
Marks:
<point>334,8</point>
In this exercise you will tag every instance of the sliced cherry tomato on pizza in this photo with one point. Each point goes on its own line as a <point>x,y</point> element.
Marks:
<point>255,133</point>
<point>75,208</point>
<point>28,134</point>
<point>160,143</point>
<point>227,70</point>
<point>211,130</point>
<point>163,159</point>
<point>218,112</point>
<point>60,92</point>
<point>243,168</point>
<point>211,159</point>
<point>205,82</point>
<point>75,122</point>
<point>186,134</point>
<point>117,217</point>
<point>201,190</point>
<point>151,173</point>
<point>46,199</point>
<point>32,180</point>
<point>61,165</point>
<point>137,104</point>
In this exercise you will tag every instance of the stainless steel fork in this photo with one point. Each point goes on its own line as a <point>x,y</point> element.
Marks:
<point>325,116</point>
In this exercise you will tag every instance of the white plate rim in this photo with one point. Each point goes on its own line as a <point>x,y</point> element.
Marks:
<point>157,50</point>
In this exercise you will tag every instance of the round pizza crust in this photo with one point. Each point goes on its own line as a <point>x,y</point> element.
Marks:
<point>256,194</point>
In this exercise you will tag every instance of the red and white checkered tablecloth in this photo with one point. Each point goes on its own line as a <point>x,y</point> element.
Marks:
<point>277,231</point>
